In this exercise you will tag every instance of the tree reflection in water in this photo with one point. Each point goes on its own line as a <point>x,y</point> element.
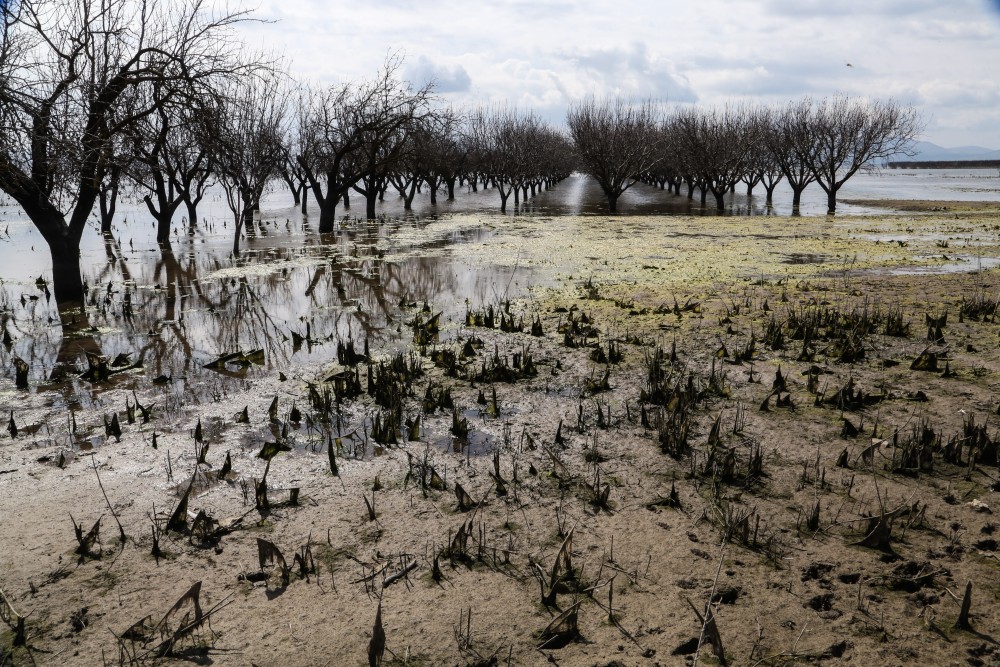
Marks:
<point>291,293</point>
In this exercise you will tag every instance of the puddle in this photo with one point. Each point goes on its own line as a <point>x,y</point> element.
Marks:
<point>959,265</point>
<point>806,258</point>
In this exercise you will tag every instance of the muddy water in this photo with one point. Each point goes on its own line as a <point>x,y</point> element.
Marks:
<point>294,294</point>
<point>291,294</point>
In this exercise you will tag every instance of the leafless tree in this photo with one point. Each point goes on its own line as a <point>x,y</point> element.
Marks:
<point>356,130</point>
<point>291,171</point>
<point>111,186</point>
<point>617,141</point>
<point>170,165</point>
<point>511,149</point>
<point>684,127</point>
<point>789,135</point>
<point>441,151</point>
<point>68,71</point>
<point>850,134</point>
<point>725,138</point>
<point>247,143</point>
<point>762,167</point>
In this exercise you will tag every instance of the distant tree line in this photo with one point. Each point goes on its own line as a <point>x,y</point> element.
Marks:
<point>158,99</point>
<point>715,149</point>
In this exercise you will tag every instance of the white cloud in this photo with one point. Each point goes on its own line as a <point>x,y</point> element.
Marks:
<point>446,79</point>
<point>632,71</point>
<point>545,53</point>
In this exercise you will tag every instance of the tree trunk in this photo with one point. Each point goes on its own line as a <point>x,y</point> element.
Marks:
<point>109,201</point>
<point>451,189</point>
<point>796,197</point>
<point>434,193</point>
<point>690,185</point>
<point>248,219</point>
<point>371,199</point>
<point>67,282</point>
<point>704,195</point>
<point>831,202</point>
<point>503,201</point>
<point>305,199</point>
<point>192,209</point>
<point>163,227</point>
<point>720,201</point>
<point>347,199</point>
<point>296,197</point>
<point>408,197</point>
<point>327,216</point>
<point>613,202</point>
<point>770,193</point>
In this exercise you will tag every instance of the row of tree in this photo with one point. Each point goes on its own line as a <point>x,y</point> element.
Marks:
<point>713,150</point>
<point>158,98</point>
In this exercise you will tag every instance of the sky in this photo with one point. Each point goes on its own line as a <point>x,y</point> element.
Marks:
<point>941,57</point>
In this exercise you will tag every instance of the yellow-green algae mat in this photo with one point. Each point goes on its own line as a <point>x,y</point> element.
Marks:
<point>662,254</point>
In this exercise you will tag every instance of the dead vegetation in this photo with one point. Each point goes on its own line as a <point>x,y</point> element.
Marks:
<point>593,476</point>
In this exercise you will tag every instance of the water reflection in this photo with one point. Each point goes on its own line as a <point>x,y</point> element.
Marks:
<point>292,294</point>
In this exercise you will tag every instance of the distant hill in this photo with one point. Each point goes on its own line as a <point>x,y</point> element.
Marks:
<point>928,152</point>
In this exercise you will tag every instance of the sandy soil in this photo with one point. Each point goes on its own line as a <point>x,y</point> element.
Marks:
<point>834,515</point>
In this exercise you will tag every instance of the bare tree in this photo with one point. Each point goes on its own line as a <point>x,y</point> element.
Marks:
<point>356,130</point>
<point>762,168</point>
<point>789,137</point>
<point>110,188</point>
<point>248,147</point>
<point>290,170</point>
<point>67,69</point>
<point>171,159</point>
<point>617,141</point>
<point>441,151</point>
<point>724,138</point>
<point>853,134</point>
<point>510,147</point>
<point>689,149</point>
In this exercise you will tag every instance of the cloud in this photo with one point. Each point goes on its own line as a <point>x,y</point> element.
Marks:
<point>825,8</point>
<point>453,79</point>
<point>545,54</point>
<point>631,71</point>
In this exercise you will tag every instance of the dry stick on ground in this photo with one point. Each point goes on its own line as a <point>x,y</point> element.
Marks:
<point>121,531</point>
<point>13,619</point>
<point>708,621</point>
<point>391,579</point>
<point>962,622</point>
<point>376,647</point>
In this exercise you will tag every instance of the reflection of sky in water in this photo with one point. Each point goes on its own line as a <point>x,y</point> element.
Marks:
<point>198,302</point>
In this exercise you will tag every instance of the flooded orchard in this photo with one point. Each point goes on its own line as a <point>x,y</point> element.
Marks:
<point>506,439</point>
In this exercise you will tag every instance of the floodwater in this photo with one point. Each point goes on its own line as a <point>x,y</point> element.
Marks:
<point>294,295</point>
<point>290,293</point>
<point>579,195</point>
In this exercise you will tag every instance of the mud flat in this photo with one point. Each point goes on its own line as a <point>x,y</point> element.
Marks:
<point>773,437</point>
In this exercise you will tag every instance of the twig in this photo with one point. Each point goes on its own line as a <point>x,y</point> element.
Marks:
<point>708,605</point>
<point>121,530</point>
